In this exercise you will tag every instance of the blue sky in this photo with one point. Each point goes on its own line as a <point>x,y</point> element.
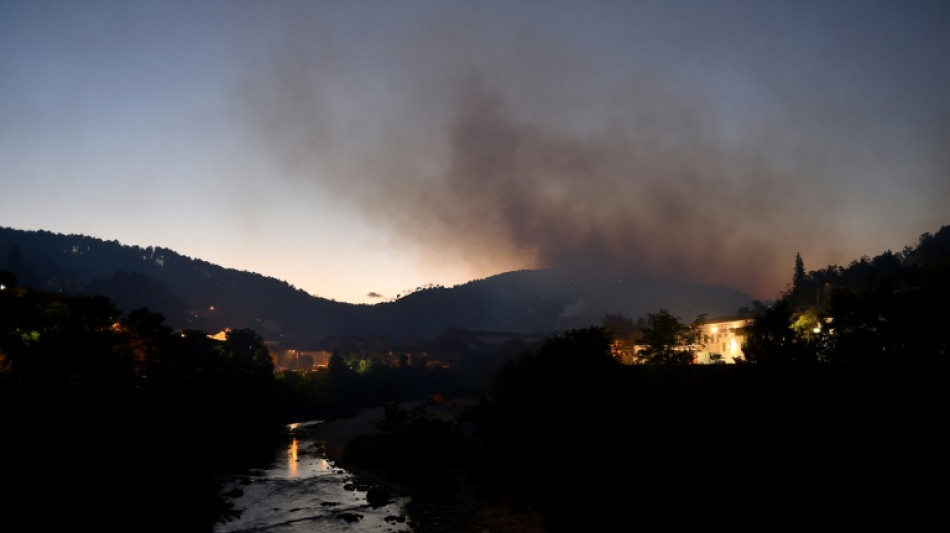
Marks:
<point>364,147</point>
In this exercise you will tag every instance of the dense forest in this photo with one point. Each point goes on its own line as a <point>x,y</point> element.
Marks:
<point>195,294</point>
<point>189,293</point>
<point>833,420</point>
<point>885,310</point>
<point>116,420</point>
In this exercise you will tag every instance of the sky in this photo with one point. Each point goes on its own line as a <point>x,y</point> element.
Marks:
<point>362,149</point>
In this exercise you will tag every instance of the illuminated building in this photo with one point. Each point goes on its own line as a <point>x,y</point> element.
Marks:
<point>721,340</point>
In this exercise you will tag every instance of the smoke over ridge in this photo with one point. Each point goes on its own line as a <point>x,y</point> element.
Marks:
<point>523,153</point>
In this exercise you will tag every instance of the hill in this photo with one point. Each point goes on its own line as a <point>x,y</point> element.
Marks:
<point>194,294</point>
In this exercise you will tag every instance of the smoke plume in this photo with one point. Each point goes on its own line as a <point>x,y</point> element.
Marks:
<point>519,151</point>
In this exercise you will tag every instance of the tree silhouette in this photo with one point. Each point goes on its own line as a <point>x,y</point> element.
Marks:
<point>771,340</point>
<point>668,341</point>
<point>798,278</point>
<point>190,409</point>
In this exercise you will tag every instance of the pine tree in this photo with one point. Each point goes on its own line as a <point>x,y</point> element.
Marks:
<point>798,279</point>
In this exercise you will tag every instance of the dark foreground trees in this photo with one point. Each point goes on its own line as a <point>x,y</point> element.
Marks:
<point>669,341</point>
<point>882,311</point>
<point>590,445</point>
<point>118,423</point>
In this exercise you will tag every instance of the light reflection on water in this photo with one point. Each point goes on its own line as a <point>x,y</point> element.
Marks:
<point>292,458</point>
<point>302,491</point>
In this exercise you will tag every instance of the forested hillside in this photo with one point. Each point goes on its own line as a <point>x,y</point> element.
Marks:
<point>887,310</point>
<point>192,293</point>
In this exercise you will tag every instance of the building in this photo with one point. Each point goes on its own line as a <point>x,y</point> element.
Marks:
<point>721,340</point>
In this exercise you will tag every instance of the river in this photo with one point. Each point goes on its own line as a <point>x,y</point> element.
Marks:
<point>303,491</point>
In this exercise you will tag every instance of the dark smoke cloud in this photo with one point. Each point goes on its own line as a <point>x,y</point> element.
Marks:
<point>373,294</point>
<point>652,192</point>
<point>521,152</point>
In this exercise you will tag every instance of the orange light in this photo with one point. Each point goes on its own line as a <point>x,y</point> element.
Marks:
<point>292,459</point>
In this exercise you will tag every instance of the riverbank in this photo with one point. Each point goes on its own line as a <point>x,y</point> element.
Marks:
<point>467,514</point>
<point>335,433</point>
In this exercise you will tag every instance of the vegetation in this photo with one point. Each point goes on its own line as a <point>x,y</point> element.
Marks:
<point>194,294</point>
<point>831,425</point>
<point>668,341</point>
<point>886,310</point>
<point>120,419</point>
<point>372,374</point>
<point>180,288</point>
<point>588,443</point>
<point>117,422</point>
<point>418,453</point>
<point>835,414</point>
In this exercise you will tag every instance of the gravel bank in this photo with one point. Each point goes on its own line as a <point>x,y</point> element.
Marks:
<point>468,514</point>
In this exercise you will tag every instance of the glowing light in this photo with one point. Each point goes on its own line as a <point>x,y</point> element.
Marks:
<point>292,458</point>
<point>715,329</point>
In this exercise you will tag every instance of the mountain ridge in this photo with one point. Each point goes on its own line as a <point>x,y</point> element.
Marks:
<point>194,294</point>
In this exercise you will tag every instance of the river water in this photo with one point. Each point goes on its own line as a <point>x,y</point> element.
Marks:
<point>303,491</point>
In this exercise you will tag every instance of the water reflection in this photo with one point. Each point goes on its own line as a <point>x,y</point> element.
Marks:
<point>302,491</point>
<point>292,458</point>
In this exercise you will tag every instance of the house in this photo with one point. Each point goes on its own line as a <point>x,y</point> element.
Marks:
<point>721,340</point>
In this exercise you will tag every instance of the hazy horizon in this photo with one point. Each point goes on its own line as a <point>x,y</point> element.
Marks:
<point>357,150</point>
